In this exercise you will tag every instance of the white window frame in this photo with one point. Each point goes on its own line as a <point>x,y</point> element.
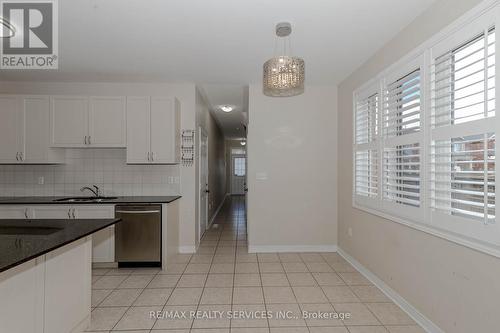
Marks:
<point>484,237</point>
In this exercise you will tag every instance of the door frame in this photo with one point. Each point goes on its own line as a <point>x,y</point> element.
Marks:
<point>202,133</point>
<point>233,156</point>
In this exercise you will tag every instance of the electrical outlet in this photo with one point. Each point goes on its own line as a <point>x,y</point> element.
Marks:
<point>349,231</point>
<point>41,180</point>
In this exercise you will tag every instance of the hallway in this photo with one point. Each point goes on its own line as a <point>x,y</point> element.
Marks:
<point>222,278</point>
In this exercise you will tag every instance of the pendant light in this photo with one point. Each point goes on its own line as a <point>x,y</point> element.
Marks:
<point>284,74</point>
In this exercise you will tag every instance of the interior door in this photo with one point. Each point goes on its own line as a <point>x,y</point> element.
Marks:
<point>69,121</point>
<point>107,121</point>
<point>138,129</point>
<point>238,174</point>
<point>204,190</point>
<point>11,129</point>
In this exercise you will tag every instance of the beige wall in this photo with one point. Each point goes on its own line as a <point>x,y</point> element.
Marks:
<point>455,287</point>
<point>216,157</point>
<point>186,95</point>
<point>293,141</point>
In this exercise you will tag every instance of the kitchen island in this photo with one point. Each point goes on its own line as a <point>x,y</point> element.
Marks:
<point>45,274</point>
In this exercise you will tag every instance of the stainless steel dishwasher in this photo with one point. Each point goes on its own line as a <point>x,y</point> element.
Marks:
<point>138,236</point>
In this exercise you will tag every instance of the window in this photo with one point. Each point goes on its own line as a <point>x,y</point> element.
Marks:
<point>239,166</point>
<point>424,144</point>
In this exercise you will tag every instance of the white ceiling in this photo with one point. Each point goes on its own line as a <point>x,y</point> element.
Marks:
<point>217,41</point>
<point>232,123</point>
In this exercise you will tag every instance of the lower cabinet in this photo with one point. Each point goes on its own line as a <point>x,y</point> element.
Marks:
<point>49,294</point>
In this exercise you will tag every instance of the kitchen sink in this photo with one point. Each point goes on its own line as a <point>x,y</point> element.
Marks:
<point>16,230</point>
<point>85,199</point>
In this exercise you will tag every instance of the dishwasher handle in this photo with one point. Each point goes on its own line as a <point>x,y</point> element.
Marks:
<point>137,211</point>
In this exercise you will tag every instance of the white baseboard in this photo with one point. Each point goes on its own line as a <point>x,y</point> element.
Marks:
<point>291,248</point>
<point>217,211</point>
<point>187,249</point>
<point>419,318</point>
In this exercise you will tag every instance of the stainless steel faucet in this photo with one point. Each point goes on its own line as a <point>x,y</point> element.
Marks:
<point>96,191</point>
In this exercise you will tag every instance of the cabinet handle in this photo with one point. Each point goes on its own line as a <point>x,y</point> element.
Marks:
<point>74,213</point>
<point>21,157</point>
<point>69,213</point>
<point>26,213</point>
<point>85,140</point>
<point>152,156</point>
<point>17,156</point>
<point>89,140</point>
<point>149,159</point>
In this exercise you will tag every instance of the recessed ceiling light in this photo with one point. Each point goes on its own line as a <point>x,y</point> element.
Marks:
<point>226,108</point>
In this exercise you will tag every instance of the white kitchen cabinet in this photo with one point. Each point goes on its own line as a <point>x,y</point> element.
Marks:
<point>52,211</point>
<point>107,121</point>
<point>15,212</point>
<point>81,122</point>
<point>10,129</point>
<point>22,298</point>
<point>153,130</point>
<point>67,296</point>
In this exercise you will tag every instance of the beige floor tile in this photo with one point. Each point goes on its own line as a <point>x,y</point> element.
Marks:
<point>342,267</point>
<point>354,279</point>
<point>164,281</point>
<point>192,280</point>
<point>279,295</point>
<point>206,250</point>
<point>108,282</point>
<point>224,259</point>
<point>312,257</point>
<point>248,295</point>
<point>246,257</point>
<point>247,280</point>
<point>328,279</point>
<point>332,257</point>
<point>221,320</point>
<point>370,294</point>
<point>146,271</point>
<point>405,329</point>
<point>340,294</point>
<point>100,271</point>
<point>227,268</point>
<point>105,318</point>
<point>136,281</point>
<point>301,279</point>
<point>285,315</point>
<point>289,330</point>
<point>289,257</point>
<point>271,267</point>
<point>201,259</point>
<point>120,271</point>
<point>181,258</point>
<point>95,278</point>
<point>217,296</point>
<point>268,257</point>
<point>210,330</point>
<point>249,330</point>
<point>295,267</point>
<point>137,318</point>
<point>121,297</point>
<point>309,295</point>
<point>327,330</point>
<point>185,296</point>
<point>359,314</point>
<point>174,268</point>
<point>274,280</point>
<point>249,315</point>
<point>197,269</point>
<point>320,315</point>
<point>367,329</point>
<point>246,267</point>
<point>181,321</point>
<point>150,297</point>
<point>219,280</point>
<point>390,314</point>
<point>319,267</point>
<point>98,295</point>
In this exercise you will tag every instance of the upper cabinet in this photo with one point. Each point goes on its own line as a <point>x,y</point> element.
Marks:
<point>79,121</point>
<point>153,130</point>
<point>24,131</point>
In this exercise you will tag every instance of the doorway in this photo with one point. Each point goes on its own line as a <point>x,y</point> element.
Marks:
<point>238,174</point>
<point>203,184</point>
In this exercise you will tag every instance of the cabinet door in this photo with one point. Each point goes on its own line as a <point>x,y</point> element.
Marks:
<point>103,241</point>
<point>165,127</point>
<point>107,122</point>
<point>14,212</point>
<point>69,121</point>
<point>52,212</point>
<point>22,298</point>
<point>11,129</point>
<point>68,287</point>
<point>37,149</point>
<point>138,130</point>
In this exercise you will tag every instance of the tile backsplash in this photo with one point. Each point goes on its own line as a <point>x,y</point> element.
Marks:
<point>105,168</point>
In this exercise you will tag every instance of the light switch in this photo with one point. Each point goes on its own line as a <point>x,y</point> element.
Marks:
<point>261,176</point>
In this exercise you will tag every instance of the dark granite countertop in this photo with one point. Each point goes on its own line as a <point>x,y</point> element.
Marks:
<point>18,246</point>
<point>119,200</point>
